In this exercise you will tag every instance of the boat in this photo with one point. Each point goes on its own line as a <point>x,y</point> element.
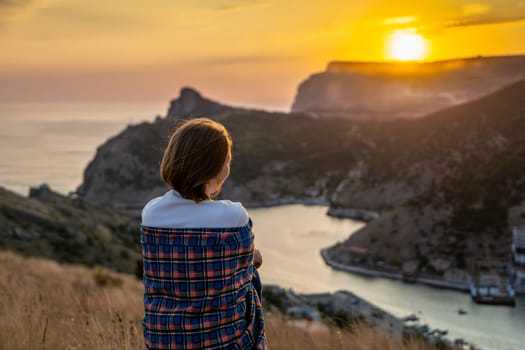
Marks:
<point>411,318</point>
<point>492,289</point>
<point>462,311</point>
<point>492,282</point>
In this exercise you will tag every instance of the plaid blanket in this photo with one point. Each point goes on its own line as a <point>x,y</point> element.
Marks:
<point>198,290</point>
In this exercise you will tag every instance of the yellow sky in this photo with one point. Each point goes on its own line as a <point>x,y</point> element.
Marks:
<point>247,52</point>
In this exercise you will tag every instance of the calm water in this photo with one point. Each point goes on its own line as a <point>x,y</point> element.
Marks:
<point>290,237</point>
<point>53,143</point>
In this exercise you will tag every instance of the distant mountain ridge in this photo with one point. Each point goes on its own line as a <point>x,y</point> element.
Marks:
<point>389,90</point>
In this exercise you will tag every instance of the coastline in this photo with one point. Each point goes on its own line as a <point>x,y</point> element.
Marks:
<point>432,282</point>
<point>351,213</point>
<point>286,201</point>
<point>367,216</point>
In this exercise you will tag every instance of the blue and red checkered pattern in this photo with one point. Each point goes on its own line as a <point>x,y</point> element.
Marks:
<point>198,289</point>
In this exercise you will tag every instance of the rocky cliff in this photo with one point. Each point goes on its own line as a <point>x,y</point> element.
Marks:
<point>277,158</point>
<point>191,104</point>
<point>382,91</point>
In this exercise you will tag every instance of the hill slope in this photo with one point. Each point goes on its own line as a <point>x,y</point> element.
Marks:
<point>67,230</point>
<point>463,175</point>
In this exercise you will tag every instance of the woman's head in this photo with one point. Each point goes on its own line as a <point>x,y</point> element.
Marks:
<point>197,159</point>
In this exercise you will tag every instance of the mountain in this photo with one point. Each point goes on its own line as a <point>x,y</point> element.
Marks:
<point>448,185</point>
<point>388,90</point>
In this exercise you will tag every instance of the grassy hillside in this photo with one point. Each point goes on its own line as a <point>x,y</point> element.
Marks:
<point>68,230</point>
<point>45,305</point>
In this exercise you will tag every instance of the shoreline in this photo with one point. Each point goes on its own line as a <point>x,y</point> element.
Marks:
<point>278,202</point>
<point>436,283</point>
<point>345,304</point>
<point>354,214</point>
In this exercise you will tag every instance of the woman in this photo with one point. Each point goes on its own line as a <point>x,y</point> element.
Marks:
<point>198,252</point>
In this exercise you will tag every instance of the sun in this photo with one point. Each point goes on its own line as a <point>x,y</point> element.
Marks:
<point>407,46</point>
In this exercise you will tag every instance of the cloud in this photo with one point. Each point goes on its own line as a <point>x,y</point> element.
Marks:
<point>13,3</point>
<point>399,20</point>
<point>487,13</point>
<point>240,6</point>
<point>16,9</point>
<point>468,22</point>
<point>469,14</point>
<point>240,60</point>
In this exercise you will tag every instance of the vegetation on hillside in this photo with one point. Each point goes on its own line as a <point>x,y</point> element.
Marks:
<point>68,230</point>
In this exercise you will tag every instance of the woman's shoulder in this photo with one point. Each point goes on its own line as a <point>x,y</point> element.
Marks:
<point>231,214</point>
<point>173,211</point>
<point>155,204</point>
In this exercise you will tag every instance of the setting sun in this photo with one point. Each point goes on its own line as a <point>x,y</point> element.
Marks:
<point>407,46</point>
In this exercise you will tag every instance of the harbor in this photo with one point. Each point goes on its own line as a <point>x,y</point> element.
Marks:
<point>518,256</point>
<point>460,285</point>
<point>489,281</point>
<point>291,265</point>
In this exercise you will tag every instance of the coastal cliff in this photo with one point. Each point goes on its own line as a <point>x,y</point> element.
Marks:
<point>379,91</point>
<point>277,158</point>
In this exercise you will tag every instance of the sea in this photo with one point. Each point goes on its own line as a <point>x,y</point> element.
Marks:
<point>52,143</point>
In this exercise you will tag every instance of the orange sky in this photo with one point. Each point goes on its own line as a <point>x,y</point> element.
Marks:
<point>243,52</point>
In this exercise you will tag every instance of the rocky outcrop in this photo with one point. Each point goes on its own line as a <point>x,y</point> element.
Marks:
<point>191,104</point>
<point>385,91</point>
<point>268,147</point>
<point>124,173</point>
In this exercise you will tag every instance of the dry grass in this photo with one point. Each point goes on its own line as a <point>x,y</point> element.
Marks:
<point>44,305</point>
<point>285,335</point>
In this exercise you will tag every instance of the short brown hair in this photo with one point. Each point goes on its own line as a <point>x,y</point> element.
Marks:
<point>196,153</point>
